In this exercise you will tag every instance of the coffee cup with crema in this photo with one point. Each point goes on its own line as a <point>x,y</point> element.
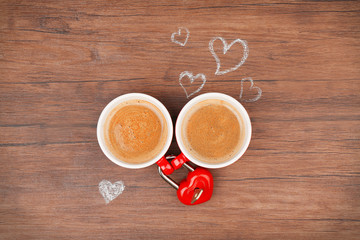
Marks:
<point>213,130</point>
<point>134,130</point>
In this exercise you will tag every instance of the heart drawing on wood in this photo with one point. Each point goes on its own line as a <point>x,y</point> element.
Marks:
<point>111,191</point>
<point>192,79</point>
<point>251,89</point>
<point>225,49</point>
<point>178,34</point>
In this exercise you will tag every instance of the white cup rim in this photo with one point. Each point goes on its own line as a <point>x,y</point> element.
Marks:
<point>233,102</point>
<point>111,105</point>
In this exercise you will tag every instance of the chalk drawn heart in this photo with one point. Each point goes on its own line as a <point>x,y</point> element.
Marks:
<point>178,34</point>
<point>192,79</point>
<point>111,191</point>
<point>225,49</point>
<point>258,94</point>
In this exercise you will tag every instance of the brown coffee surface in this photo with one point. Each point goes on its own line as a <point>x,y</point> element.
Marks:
<point>135,131</point>
<point>213,131</point>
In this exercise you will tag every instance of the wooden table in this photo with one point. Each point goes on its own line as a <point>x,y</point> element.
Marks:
<point>61,62</point>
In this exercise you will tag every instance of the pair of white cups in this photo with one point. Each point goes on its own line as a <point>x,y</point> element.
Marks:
<point>178,126</point>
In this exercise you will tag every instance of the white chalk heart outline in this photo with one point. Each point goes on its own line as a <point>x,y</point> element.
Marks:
<point>109,190</point>
<point>225,49</point>
<point>192,79</point>
<point>178,33</point>
<point>259,91</point>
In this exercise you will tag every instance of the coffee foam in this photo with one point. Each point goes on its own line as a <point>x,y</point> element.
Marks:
<point>210,148</point>
<point>135,131</point>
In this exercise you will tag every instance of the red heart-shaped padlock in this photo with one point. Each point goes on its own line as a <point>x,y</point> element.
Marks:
<point>199,181</point>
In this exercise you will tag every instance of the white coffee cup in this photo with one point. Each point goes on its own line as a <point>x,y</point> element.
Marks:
<point>234,103</point>
<point>113,104</point>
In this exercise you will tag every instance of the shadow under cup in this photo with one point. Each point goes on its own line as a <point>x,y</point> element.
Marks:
<point>213,130</point>
<point>134,130</point>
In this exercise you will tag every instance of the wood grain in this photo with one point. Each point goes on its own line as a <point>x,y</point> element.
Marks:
<point>61,62</point>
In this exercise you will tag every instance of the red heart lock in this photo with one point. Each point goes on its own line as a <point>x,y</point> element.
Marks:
<point>196,188</point>
<point>198,182</point>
